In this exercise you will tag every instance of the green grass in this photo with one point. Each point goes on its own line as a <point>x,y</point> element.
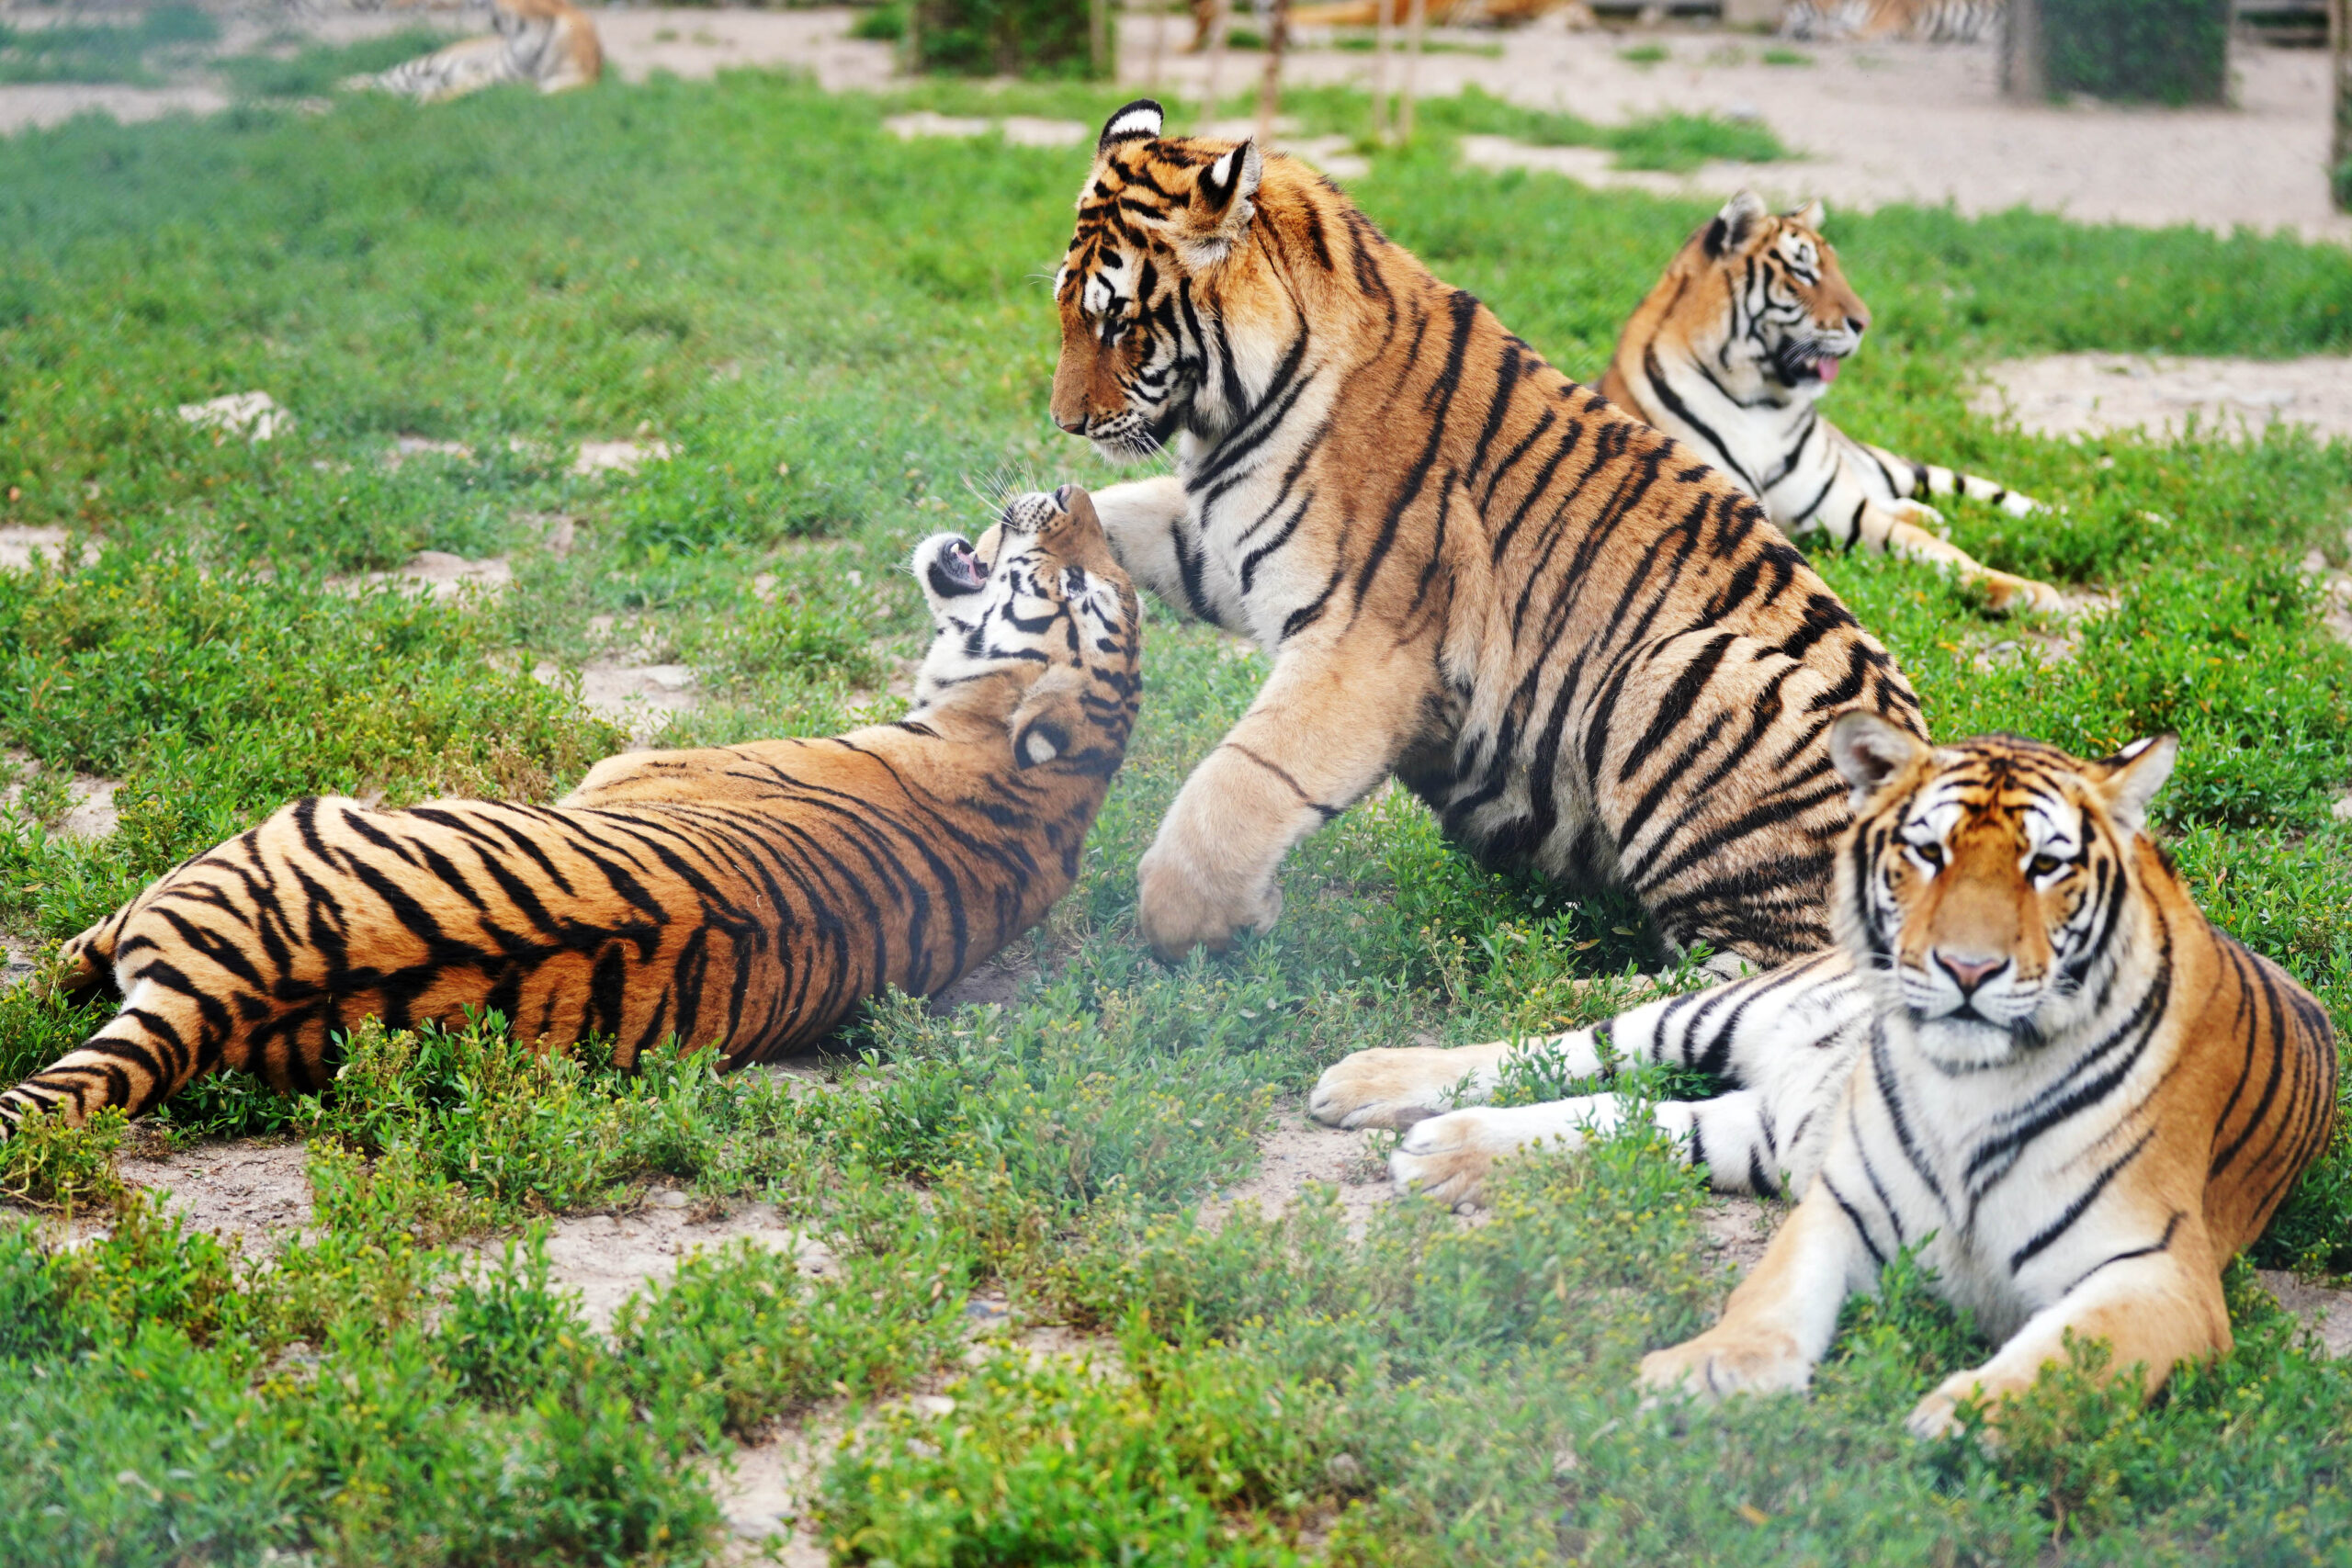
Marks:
<point>1778,55</point>
<point>838,331</point>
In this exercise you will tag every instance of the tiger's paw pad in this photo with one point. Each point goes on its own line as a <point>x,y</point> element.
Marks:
<point>1720,1363</point>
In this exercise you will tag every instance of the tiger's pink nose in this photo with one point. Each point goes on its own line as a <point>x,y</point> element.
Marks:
<point>1969,972</point>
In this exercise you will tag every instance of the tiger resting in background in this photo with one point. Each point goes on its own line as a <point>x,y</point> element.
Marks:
<point>1587,650</point>
<point>2029,1057</point>
<point>1921,21</point>
<point>550,44</point>
<point>744,896</point>
<point>1732,351</point>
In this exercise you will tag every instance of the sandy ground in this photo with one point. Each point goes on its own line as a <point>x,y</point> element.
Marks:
<point>1876,123</point>
<point>2089,394</point>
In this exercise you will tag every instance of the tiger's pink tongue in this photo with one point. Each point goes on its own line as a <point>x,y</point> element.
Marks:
<point>1827,370</point>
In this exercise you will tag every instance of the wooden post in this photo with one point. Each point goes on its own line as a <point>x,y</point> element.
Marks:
<point>913,44</point>
<point>1412,69</point>
<point>1216,65</point>
<point>1383,28</point>
<point>2022,55</point>
<point>1097,39</point>
<point>2339,51</point>
<point>1158,31</point>
<point>1270,85</point>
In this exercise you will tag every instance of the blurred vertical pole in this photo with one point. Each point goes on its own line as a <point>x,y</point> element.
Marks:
<point>2339,52</point>
<point>1270,85</point>
<point>1216,64</point>
<point>1098,41</point>
<point>2023,76</point>
<point>914,38</point>
<point>1412,69</point>
<point>1383,28</point>
<point>1158,32</point>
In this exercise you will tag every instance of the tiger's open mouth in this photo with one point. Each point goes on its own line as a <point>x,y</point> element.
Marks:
<point>956,569</point>
<point>1798,365</point>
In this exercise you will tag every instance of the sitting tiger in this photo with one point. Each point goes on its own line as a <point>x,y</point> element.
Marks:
<point>550,44</point>
<point>1921,21</point>
<point>1586,649</point>
<point>2029,1057</point>
<point>1730,353</point>
<point>744,898</point>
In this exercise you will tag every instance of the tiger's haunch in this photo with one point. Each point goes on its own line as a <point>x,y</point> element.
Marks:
<point>743,896</point>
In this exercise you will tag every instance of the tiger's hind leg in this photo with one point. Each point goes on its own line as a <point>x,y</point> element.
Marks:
<point>158,1042</point>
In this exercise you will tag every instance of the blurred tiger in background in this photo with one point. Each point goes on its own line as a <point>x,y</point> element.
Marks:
<point>1732,351</point>
<point>744,898</point>
<point>1587,650</point>
<point>2029,1057</point>
<point>1921,21</point>
<point>550,44</point>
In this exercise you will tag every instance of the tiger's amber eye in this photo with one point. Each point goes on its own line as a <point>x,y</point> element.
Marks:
<point>2042,865</point>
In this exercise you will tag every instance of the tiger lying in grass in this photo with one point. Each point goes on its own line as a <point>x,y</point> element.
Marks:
<point>745,897</point>
<point>1732,351</point>
<point>550,44</point>
<point>2029,1057</point>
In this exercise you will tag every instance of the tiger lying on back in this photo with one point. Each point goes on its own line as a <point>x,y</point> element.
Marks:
<point>744,897</point>
<point>2031,1058</point>
<point>1730,353</point>
<point>1586,650</point>
<point>550,44</point>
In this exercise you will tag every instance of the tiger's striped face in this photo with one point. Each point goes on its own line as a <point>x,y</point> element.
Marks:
<point>1039,595</point>
<point>1155,217</point>
<point>1768,304</point>
<point>1984,880</point>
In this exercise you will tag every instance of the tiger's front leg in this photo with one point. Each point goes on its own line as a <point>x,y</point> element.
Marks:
<point>1325,730</point>
<point>1150,525</point>
<point>1907,528</point>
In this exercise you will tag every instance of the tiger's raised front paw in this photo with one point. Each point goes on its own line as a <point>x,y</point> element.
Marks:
<point>1729,1360</point>
<point>1186,902</point>
<point>1396,1087</point>
<point>1937,1415</point>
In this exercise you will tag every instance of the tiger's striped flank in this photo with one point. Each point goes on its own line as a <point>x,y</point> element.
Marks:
<point>1586,649</point>
<point>744,898</point>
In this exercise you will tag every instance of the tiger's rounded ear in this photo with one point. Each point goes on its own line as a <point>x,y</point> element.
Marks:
<point>1809,215</point>
<point>1139,121</point>
<point>2135,774</point>
<point>1227,185</point>
<point>1049,717</point>
<point>1734,223</point>
<point>1867,752</point>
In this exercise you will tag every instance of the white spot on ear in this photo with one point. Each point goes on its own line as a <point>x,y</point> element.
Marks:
<point>1135,119</point>
<point>2137,747</point>
<point>1039,749</point>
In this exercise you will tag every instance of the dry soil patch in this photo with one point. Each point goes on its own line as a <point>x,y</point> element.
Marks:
<point>1296,1151</point>
<point>610,1257</point>
<point>2091,394</point>
<point>249,1191</point>
<point>2327,1311</point>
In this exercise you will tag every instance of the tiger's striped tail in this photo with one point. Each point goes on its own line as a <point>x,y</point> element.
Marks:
<point>1917,482</point>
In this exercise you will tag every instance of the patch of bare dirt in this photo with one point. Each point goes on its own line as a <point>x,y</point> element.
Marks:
<point>639,698</point>
<point>248,1190</point>
<point>619,457</point>
<point>2327,1311</point>
<point>435,573</point>
<point>1296,1151</point>
<point>610,1257</point>
<point>699,43</point>
<point>1740,1228</point>
<point>21,547</point>
<point>89,812</point>
<point>2090,394</point>
<point>997,983</point>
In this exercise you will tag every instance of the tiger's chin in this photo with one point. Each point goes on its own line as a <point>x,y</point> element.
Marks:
<point>1972,1043</point>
